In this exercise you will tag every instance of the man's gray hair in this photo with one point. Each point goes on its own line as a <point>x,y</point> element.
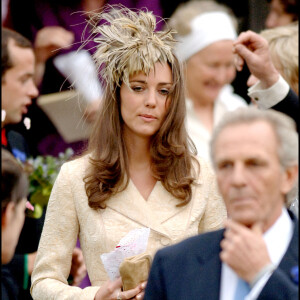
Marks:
<point>284,129</point>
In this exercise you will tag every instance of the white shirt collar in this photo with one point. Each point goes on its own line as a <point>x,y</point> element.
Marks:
<point>279,236</point>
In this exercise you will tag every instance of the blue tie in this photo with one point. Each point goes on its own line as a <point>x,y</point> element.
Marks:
<point>242,290</point>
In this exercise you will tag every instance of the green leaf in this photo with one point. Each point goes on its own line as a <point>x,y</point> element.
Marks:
<point>39,198</point>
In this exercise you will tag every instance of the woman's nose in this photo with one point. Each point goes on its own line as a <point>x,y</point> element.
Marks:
<point>150,100</point>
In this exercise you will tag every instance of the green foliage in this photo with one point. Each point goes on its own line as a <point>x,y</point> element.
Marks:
<point>42,172</point>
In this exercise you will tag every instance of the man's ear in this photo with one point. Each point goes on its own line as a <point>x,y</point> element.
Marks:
<point>8,214</point>
<point>289,180</point>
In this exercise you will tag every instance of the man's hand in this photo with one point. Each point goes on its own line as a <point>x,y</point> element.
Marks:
<point>253,49</point>
<point>78,268</point>
<point>49,40</point>
<point>244,250</point>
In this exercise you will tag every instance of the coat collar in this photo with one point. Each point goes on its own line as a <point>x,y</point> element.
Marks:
<point>131,204</point>
<point>211,263</point>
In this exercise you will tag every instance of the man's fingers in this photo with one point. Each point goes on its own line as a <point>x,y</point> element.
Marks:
<point>247,37</point>
<point>238,62</point>
<point>243,52</point>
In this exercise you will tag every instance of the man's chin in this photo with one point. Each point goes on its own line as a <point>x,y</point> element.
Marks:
<point>247,221</point>
<point>244,218</point>
<point>13,120</point>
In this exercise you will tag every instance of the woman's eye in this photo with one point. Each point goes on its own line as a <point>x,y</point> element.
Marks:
<point>137,88</point>
<point>164,91</point>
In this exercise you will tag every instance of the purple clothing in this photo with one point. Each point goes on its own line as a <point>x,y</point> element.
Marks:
<point>54,144</point>
<point>86,281</point>
<point>73,19</point>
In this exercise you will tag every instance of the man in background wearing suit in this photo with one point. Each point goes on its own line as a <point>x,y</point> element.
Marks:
<point>271,91</point>
<point>18,64</point>
<point>255,156</point>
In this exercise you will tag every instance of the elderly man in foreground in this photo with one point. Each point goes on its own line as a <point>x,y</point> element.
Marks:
<point>255,155</point>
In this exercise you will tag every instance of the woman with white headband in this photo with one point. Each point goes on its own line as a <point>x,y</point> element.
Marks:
<point>205,34</point>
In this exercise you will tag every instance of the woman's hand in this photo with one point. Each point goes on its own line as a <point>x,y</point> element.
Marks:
<point>111,290</point>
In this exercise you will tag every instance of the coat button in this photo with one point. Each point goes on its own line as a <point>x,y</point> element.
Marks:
<point>165,241</point>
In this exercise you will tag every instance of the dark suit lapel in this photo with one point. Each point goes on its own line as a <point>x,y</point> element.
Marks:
<point>290,259</point>
<point>211,264</point>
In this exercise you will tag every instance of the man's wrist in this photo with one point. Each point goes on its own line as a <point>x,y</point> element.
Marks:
<point>270,80</point>
<point>266,98</point>
<point>269,268</point>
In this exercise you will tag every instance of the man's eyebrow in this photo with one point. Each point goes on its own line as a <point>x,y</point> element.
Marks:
<point>28,74</point>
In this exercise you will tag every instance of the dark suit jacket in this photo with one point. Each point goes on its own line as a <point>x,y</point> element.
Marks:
<point>290,106</point>
<point>191,270</point>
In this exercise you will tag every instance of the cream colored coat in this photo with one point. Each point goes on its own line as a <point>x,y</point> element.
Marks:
<point>68,215</point>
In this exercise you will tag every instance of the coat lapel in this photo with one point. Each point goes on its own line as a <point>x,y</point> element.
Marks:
<point>290,259</point>
<point>211,265</point>
<point>132,205</point>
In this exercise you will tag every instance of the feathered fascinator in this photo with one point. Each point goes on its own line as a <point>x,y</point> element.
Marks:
<point>128,43</point>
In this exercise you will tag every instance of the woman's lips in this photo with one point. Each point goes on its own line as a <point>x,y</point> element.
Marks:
<point>148,118</point>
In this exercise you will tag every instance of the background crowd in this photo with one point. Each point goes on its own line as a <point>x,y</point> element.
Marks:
<point>50,46</point>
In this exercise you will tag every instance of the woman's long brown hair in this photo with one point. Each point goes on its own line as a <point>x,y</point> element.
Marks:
<point>128,43</point>
<point>169,149</point>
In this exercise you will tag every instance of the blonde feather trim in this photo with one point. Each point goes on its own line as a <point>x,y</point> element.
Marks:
<point>128,43</point>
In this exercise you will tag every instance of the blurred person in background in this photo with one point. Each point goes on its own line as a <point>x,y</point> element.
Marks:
<point>272,90</point>
<point>284,50</point>
<point>282,12</point>
<point>272,58</point>
<point>205,33</point>
<point>14,190</point>
<point>18,89</point>
<point>255,157</point>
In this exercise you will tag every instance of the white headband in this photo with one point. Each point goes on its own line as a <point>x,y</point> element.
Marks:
<point>206,29</point>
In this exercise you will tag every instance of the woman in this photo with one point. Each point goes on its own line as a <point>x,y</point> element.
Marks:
<point>14,188</point>
<point>138,171</point>
<point>206,31</point>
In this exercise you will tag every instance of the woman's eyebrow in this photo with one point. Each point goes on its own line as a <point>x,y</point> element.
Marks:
<point>145,81</point>
<point>137,80</point>
<point>166,83</point>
